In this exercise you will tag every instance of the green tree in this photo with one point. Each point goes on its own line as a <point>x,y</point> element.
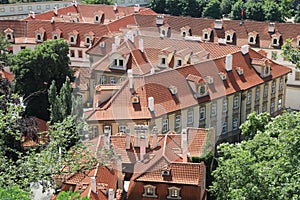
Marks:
<point>158,5</point>
<point>212,9</point>
<point>13,193</point>
<point>108,2</point>
<point>297,14</point>
<point>273,11</point>
<point>254,11</point>
<point>70,195</point>
<point>225,6</point>
<point>290,53</point>
<point>174,7</point>
<point>4,55</point>
<point>236,10</point>
<point>265,167</point>
<point>35,70</point>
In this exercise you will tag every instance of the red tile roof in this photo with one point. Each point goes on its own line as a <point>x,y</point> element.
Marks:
<point>7,75</point>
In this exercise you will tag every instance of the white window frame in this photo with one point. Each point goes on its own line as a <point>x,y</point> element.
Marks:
<point>190,117</point>
<point>103,80</point>
<point>249,97</point>
<point>257,94</point>
<point>281,83</point>
<point>174,193</point>
<point>112,80</point>
<point>177,121</point>
<point>202,113</point>
<point>272,107</point>
<point>273,90</point>
<point>266,90</point>
<point>225,105</point>
<point>165,125</point>
<point>213,109</point>
<point>235,124</point>
<point>122,128</point>
<point>150,191</point>
<point>279,105</point>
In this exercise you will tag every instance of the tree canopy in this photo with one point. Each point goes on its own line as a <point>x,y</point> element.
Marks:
<point>265,167</point>
<point>34,71</point>
<point>290,53</point>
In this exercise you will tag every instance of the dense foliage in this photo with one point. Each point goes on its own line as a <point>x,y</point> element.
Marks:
<point>253,10</point>
<point>34,71</point>
<point>265,167</point>
<point>290,53</point>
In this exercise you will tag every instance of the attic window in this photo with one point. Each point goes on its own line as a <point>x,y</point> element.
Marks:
<point>202,90</point>
<point>174,193</point>
<point>163,61</point>
<point>9,35</point>
<point>97,18</point>
<point>275,41</point>
<point>72,39</point>
<point>222,76</point>
<point>183,34</point>
<point>135,99</point>
<point>252,37</point>
<point>39,37</point>
<point>149,191</point>
<point>206,34</point>
<point>228,38</point>
<point>54,37</point>
<point>179,62</point>
<point>87,40</point>
<point>267,70</point>
<point>173,89</point>
<point>165,171</point>
<point>239,70</point>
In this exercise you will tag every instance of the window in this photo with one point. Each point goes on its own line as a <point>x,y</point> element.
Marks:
<point>273,87</point>
<point>266,88</point>
<point>213,109</point>
<point>202,89</point>
<point>20,8</point>
<point>179,62</point>
<point>178,121</point>
<point>72,53</point>
<point>297,76</point>
<point>47,6</point>
<point>281,84</point>
<point>103,80</point>
<point>120,62</point>
<point>279,106</point>
<point>272,107</point>
<point>205,36</point>
<point>257,94</point>
<point>122,129</point>
<point>225,105</point>
<point>249,97</point>
<point>165,125</point>
<point>264,108</point>
<point>29,7</point>
<point>96,18</point>
<point>236,102</point>
<point>202,113</point>
<point>8,36</point>
<point>235,124</point>
<point>12,9</point>
<point>87,40</point>
<point>224,128</point>
<point>183,34</point>
<point>163,61</point>
<point>71,39</point>
<point>115,62</point>
<point>79,54</point>
<point>112,80</point>
<point>228,38</point>
<point>275,41</point>
<point>2,9</point>
<point>38,37</point>
<point>251,40</point>
<point>190,117</point>
<point>38,7</point>
<point>174,193</point>
<point>149,191</point>
<point>267,70</point>
<point>54,37</point>
<point>23,47</point>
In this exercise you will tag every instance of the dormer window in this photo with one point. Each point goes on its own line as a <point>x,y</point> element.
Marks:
<point>165,30</point>
<point>267,69</point>
<point>179,62</point>
<point>39,35</point>
<point>73,37</point>
<point>149,191</point>
<point>163,61</point>
<point>118,61</point>
<point>98,16</point>
<point>174,193</point>
<point>228,38</point>
<point>185,31</point>
<point>54,37</point>
<point>56,34</point>
<point>88,38</point>
<point>198,85</point>
<point>252,36</point>
<point>9,35</point>
<point>276,40</point>
<point>202,90</point>
<point>206,34</point>
<point>229,35</point>
<point>222,76</point>
<point>262,66</point>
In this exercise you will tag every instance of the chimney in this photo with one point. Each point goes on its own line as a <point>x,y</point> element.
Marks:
<point>130,77</point>
<point>159,20</point>
<point>228,62</point>
<point>128,137</point>
<point>113,47</point>
<point>184,145</point>
<point>141,45</point>
<point>111,194</point>
<point>154,137</point>
<point>142,146</point>
<point>107,135</point>
<point>55,11</point>
<point>137,129</point>
<point>115,7</point>
<point>52,20</point>
<point>245,49</point>
<point>136,8</point>
<point>151,104</point>
<point>93,184</point>
<point>152,71</point>
<point>271,27</point>
<point>218,24</point>
<point>120,175</point>
<point>117,40</point>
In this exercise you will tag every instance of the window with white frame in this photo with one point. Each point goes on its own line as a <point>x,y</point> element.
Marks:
<point>297,76</point>
<point>103,80</point>
<point>202,89</point>
<point>275,41</point>
<point>71,39</point>
<point>273,87</point>
<point>87,40</point>
<point>281,84</point>
<point>163,61</point>
<point>178,121</point>
<point>149,191</point>
<point>279,105</point>
<point>112,80</point>
<point>235,102</point>
<point>264,107</point>
<point>122,129</point>
<point>202,113</point>
<point>190,117</point>
<point>174,193</point>
<point>39,37</point>
<point>213,109</point>
<point>179,62</point>
<point>266,89</point>
<point>272,106</point>
<point>225,105</point>
<point>257,94</point>
<point>249,97</point>
<point>165,125</point>
<point>224,127</point>
<point>235,124</point>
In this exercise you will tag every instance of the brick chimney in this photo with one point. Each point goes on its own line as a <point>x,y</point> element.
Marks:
<point>154,137</point>
<point>128,137</point>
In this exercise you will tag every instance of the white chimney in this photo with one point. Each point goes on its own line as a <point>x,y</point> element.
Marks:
<point>218,24</point>
<point>228,62</point>
<point>137,129</point>
<point>115,7</point>
<point>271,27</point>
<point>245,49</point>
<point>117,40</point>
<point>141,45</point>
<point>93,184</point>
<point>160,20</point>
<point>52,20</point>
<point>113,47</point>
<point>154,137</point>
<point>55,11</point>
<point>152,70</point>
<point>111,194</point>
<point>130,77</point>
<point>184,145</point>
<point>142,146</point>
<point>151,103</point>
<point>136,7</point>
<point>128,137</point>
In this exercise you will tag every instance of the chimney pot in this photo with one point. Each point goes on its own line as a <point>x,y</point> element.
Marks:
<point>228,62</point>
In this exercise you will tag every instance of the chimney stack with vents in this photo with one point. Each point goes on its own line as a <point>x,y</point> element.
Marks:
<point>228,62</point>
<point>93,184</point>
